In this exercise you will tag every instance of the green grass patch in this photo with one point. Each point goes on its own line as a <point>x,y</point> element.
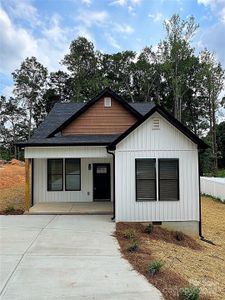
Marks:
<point>218,173</point>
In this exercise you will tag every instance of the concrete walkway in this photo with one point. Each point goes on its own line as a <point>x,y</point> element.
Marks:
<point>65,257</point>
<point>72,208</point>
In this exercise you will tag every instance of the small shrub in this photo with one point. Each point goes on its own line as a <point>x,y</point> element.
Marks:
<point>179,236</point>
<point>129,234</point>
<point>132,247</point>
<point>9,210</point>
<point>155,266</point>
<point>189,293</point>
<point>148,229</point>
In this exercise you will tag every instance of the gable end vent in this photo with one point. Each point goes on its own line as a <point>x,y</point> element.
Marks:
<point>107,102</point>
<point>155,125</point>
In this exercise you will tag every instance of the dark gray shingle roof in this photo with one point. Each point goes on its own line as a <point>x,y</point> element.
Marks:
<point>62,112</point>
<point>57,116</point>
<point>103,139</point>
<point>143,107</point>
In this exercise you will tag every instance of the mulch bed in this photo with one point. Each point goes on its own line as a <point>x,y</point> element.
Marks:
<point>14,212</point>
<point>167,281</point>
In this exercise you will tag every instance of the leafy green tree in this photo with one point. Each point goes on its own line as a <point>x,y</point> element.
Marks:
<point>146,77</point>
<point>12,124</point>
<point>220,134</point>
<point>30,84</point>
<point>175,55</point>
<point>83,63</point>
<point>212,83</point>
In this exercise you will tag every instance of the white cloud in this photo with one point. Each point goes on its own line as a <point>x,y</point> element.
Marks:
<point>119,2</point>
<point>7,91</point>
<point>217,7</point>
<point>124,28</point>
<point>112,41</point>
<point>84,32</point>
<point>23,10</point>
<point>90,18</point>
<point>16,44</point>
<point>158,17</point>
<point>125,2</point>
<point>86,2</point>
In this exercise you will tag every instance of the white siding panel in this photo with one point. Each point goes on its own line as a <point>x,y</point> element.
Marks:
<point>86,194</point>
<point>66,151</point>
<point>167,137</point>
<point>127,209</point>
<point>167,142</point>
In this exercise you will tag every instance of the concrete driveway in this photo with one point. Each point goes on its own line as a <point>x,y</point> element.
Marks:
<point>65,257</point>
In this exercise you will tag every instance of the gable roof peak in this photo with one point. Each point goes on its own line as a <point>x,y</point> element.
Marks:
<point>107,91</point>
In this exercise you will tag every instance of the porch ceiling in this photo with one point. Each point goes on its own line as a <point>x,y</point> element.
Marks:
<point>72,208</point>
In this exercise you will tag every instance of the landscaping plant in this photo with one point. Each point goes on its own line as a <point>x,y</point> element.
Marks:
<point>132,247</point>
<point>155,266</point>
<point>148,229</point>
<point>129,234</point>
<point>189,293</point>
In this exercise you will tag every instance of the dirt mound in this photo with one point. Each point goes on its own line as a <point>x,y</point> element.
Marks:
<point>16,162</point>
<point>12,174</point>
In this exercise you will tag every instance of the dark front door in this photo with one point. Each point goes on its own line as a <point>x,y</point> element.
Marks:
<point>101,182</point>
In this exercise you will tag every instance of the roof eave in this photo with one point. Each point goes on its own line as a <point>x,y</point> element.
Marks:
<point>201,145</point>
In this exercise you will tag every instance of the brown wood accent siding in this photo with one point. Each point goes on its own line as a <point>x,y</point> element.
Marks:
<point>99,119</point>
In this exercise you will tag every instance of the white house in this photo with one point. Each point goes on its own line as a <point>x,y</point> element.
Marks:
<point>135,155</point>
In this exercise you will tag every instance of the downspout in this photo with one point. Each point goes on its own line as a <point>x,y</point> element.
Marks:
<point>200,205</point>
<point>200,202</point>
<point>114,188</point>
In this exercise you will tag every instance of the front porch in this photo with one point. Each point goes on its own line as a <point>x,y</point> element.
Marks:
<point>72,208</point>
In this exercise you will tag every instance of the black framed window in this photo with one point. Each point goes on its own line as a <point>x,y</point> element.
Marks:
<point>72,174</point>
<point>145,179</point>
<point>168,179</point>
<point>55,175</point>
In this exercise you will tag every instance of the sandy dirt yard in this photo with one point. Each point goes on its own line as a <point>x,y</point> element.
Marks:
<point>12,184</point>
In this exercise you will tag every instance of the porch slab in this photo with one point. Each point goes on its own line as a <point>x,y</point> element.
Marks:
<point>72,208</point>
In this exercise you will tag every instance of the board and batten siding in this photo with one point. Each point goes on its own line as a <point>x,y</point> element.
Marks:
<point>84,195</point>
<point>99,119</point>
<point>166,142</point>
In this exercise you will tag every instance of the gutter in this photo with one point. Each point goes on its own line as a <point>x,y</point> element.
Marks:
<point>114,188</point>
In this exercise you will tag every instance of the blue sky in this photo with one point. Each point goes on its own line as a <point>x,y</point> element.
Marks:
<point>45,28</point>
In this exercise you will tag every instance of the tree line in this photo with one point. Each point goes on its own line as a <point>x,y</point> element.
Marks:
<point>185,83</point>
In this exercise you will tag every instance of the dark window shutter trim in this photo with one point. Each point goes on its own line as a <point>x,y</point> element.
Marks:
<point>169,180</point>
<point>150,178</point>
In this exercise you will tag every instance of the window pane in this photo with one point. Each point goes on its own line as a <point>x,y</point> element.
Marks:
<point>101,170</point>
<point>168,169</point>
<point>55,182</point>
<point>55,166</point>
<point>146,189</point>
<point>55,174</point>
<point>72,182</point>
<point>168,190</point>
<point>145,168</point>
<point>72,166</point>
<point>145,179</point>
<point>168,179</point>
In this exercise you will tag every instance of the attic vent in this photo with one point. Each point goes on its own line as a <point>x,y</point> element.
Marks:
<point>107,102</point>
<point>155,125</point>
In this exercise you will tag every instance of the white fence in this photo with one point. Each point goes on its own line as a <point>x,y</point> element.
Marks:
<point>213,186</point>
